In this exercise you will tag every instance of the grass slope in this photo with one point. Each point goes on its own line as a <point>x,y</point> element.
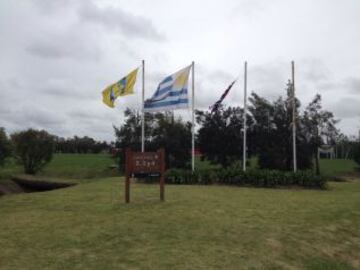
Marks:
<point>198,227</point>
<point>333,167</point>
<point>69,166</point>
<point>80,166</point>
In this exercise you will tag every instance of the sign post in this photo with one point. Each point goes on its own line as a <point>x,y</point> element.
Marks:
<point>144,164</point>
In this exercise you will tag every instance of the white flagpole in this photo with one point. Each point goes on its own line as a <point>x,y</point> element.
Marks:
<point>142,109</point>
<point>193,119</point>
<point>293,115</point>
<point>245,111</point>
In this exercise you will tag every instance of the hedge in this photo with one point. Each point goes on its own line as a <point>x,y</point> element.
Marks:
<point>235,176</point>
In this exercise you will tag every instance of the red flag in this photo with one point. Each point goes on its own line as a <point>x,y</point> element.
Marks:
<point>214,107</point>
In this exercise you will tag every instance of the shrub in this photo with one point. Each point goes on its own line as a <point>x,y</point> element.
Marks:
<point>5,147</point>
<point>235,176</point>
<point>33,149</point>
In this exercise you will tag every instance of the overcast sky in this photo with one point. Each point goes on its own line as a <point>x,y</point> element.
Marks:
<point>57,56</point>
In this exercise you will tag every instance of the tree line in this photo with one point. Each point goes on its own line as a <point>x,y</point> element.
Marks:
<point>34,148</point>
<point>80,145</point>
<point>220,134</point>
<point>219,137</point>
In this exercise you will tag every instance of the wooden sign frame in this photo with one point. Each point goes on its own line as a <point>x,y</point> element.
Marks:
<point>144,164</point>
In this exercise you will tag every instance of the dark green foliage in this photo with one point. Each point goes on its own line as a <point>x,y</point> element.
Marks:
<point>80,145</point>
<point>174,136</point>
<point>162,130</point>
<point>220,135</point>
<point>235,176</point>
<point>272,134</point>
<point>5,147</point>
<point>33,149</point>
<point>356,153</point>
<point>319,126</point>
<point>345,146</point>
<point>269,132</point>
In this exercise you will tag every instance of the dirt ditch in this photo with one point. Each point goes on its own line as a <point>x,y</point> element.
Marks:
<point>22,185</point>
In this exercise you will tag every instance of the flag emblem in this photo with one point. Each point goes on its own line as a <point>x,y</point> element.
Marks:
<point>121,88</point>
<point>172,92</point>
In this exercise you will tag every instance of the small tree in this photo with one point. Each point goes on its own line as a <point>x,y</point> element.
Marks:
<point>220,135</point>
<point>33,149</point>
<point>5,147</point>
<point>162,130</point>
<point>357,153</point>
<point>272,133</point>
<point>319,124</point>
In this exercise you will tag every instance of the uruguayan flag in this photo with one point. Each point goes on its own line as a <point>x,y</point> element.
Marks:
<point>172,93</point>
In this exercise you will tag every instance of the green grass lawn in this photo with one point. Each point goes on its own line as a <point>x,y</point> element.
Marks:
<point>77,166</point>
<point>335,167</point>
<point>80,166</point>
<point>198,227</point>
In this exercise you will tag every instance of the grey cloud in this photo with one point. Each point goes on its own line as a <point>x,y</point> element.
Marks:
<point>315,70</point>
<point>250,8</point>
<point>127,23</point>
<point>349,85</point>
<point>30,116</point>
<point>269,80</point>
<point>347,107</point>
<point>51,6</point>
<point>90,115</point>
<point>63,53</point>
<point>353,84</point>
<point>47,50</point>
<point>69,91</point>
<point>220,76</point>
<point>64,45</point>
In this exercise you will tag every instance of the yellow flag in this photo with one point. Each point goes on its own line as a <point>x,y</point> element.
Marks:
<point>121,88</point>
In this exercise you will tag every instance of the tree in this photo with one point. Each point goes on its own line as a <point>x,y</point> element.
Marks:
<point>320,127</point>
<point>162,130</point>
<point>220,135</point>
<point>357,153</point>
<point>345,146</point>
<point>272,133</point>
<point>5,147</point>
<point>33,149</point>
<point>174,135</point>
<point>79,145</point>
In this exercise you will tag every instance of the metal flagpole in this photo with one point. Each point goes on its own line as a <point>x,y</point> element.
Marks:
<point>293,115</point>
<point>142,109</point>
<point>193,119</point>
<point>245,111</point>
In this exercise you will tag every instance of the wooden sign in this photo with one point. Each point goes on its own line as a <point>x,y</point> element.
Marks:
<point>144,164</point>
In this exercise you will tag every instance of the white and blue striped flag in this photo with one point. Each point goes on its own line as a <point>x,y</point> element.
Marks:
<point>171,94</point>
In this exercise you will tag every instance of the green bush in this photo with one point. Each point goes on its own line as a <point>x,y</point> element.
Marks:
<point>5,147</point>
<point>235,176</point>
<point>33,149</point>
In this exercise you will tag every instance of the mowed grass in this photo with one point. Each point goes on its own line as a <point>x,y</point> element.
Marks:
<point>198,227</point>
<point>77,166</point>
<point>334,167</point>
<point>80,166</point>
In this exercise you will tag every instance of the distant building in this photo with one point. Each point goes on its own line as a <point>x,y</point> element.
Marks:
<point>326,151</point>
